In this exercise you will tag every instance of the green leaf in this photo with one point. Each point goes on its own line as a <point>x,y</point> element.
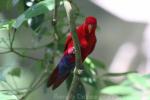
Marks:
<point>89,74</point>
<point>118,74</point>
<point>146,76</point>
<point>108,82</point>
<point>37,9</point>
<point>126,83</point>
<point>138,80</point>
<point>90,71</point>
<point>132,97</point>
<point>15,72</point>
<point>90,81</point>
<point>118,90</point>
<point>92,63</point>
<point>5,25</point>
<point>88,77</point>
<point>80,93</point>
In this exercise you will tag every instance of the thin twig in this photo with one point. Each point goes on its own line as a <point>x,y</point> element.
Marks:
<point>5,42</point>
<point>11,87</point>
<point>12,40</point>
<point>54,24</point>
<point>25,56</point>
<point>9,36</point>
<point>17,89</point>
<point>14,81</point>
<point>28,48</point>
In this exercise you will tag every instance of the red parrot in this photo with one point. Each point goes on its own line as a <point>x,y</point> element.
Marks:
<point>87,39</point>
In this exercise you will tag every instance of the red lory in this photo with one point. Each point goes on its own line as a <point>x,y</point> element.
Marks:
<point>87,39</point>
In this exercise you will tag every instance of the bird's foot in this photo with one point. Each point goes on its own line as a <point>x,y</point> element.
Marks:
<point>78,71</point>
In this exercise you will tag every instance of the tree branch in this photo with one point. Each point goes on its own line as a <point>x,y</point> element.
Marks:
<point>78,65</point>
<point>12,40</point>
<point>25,56</point>
<point>28,48</point>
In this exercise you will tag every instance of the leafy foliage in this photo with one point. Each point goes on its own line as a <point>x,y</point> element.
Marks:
<point>136,86</point>
<point>90,73</point>
<point>133,88</point>
<point>39,8</point>
<point>6,25</point>
<point>15,72</point>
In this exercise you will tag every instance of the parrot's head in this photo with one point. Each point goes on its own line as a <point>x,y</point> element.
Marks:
<point>90,24</point>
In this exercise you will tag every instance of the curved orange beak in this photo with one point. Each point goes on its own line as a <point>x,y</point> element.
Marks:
<point>90,27</point>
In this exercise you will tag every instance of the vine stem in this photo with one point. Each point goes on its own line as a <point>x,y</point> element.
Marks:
<point>78,65</point>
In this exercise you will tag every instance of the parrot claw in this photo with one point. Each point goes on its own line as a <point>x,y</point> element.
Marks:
<point>74,51</point>
<point>78,71</point>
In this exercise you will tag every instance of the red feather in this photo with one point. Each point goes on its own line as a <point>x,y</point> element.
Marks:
<point>52,78</point>
<point>59,81</point>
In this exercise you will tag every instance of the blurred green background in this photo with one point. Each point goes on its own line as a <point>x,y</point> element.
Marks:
<point>118,68</point>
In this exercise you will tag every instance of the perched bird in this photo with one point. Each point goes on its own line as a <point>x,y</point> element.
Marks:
<point>87,39</point>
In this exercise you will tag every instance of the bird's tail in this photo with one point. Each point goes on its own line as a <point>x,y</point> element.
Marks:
<point>55,79</point>
<point>52,77</point>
